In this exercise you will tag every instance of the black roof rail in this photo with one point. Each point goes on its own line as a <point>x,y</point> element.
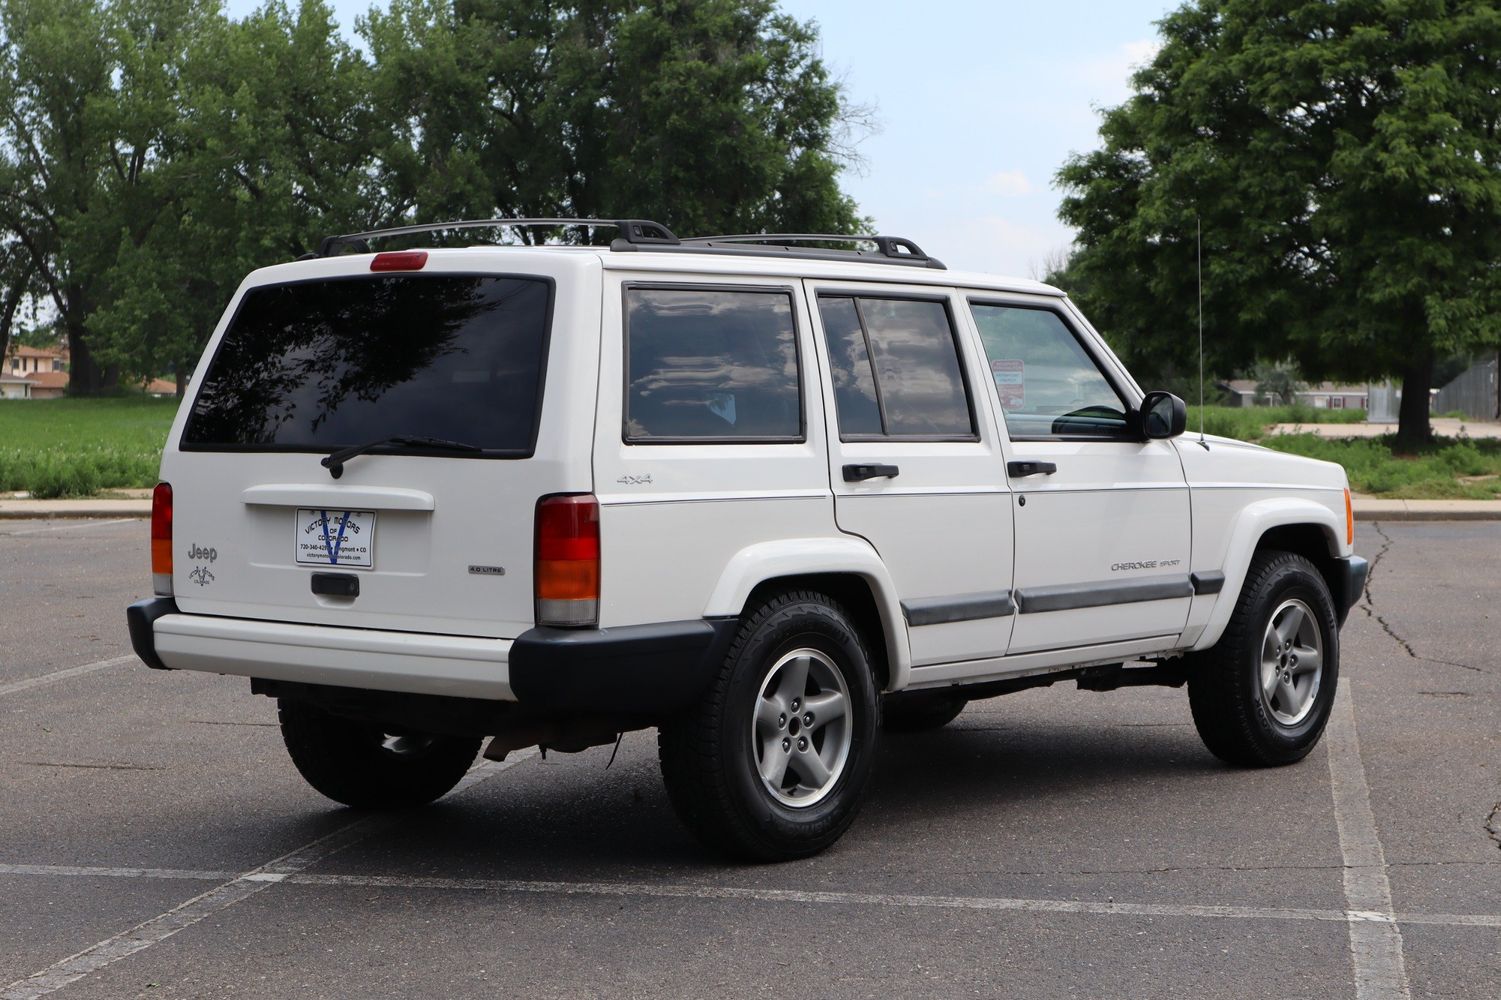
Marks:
<point>634,233</point>
<point>893,249</point>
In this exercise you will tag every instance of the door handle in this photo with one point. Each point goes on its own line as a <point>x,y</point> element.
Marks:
<point>1019,469</point>
<point>860,473</point>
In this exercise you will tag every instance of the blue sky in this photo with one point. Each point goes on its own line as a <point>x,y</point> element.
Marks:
<point>977,103</point>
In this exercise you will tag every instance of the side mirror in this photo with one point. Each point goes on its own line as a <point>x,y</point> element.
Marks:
<point>1163,415</point>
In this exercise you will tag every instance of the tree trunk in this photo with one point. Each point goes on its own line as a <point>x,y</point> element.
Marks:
<point>1413,429</point>
<point>85,376</point>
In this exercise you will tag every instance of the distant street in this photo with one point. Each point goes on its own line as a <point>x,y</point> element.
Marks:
<point>155,841</point>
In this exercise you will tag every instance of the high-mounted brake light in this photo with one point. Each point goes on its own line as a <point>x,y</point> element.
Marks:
<point>567,568</point>
<point>161,540</point>
<point>399,260</point>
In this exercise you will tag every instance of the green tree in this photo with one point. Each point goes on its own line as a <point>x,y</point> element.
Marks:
<point>1345,161</point>
<point>710,116</point>
<point>271,149</point>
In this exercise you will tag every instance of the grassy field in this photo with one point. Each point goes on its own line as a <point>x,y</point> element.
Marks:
<point>1251,423</point>
<point>77,447</point>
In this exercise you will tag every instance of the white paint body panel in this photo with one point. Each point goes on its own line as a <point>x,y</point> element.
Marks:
<point>690,530</point>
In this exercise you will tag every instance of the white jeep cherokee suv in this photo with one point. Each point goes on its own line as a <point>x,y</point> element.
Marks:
<point>768,496</point>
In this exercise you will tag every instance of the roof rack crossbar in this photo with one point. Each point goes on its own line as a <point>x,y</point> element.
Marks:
<point>888,246</point>
<point>633,232</point>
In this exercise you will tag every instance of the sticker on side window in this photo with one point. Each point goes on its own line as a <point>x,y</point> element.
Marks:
<point>335,537</point>
<point>1010,382</point>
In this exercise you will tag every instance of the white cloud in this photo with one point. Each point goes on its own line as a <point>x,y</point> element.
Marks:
<point>1008,184</point>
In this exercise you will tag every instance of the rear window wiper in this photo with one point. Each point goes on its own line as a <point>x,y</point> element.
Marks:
<point>335,463</point>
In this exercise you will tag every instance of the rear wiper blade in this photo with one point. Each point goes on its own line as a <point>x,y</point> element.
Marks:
<point>335,463</point>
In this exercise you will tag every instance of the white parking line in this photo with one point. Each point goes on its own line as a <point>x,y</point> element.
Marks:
<point>159,928</point>
<point>61,675</point>
<point>792,896</point>
<point>1375,938</point>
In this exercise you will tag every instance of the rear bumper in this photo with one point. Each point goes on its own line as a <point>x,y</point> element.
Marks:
<point>651,670</point>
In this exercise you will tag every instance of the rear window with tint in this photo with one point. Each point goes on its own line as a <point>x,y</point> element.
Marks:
<point>319,365</point>
<point>711,364</point>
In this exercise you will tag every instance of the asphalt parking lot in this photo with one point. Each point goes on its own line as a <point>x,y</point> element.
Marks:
<point>156,842</point>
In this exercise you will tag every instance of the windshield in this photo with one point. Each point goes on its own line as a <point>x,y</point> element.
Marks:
<point>324,365</point>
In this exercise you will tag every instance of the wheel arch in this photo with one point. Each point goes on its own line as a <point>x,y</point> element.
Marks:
<point>1302,526</point>
<point>848,570</point>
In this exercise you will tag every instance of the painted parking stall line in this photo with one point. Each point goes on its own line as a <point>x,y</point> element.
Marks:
<point>15,687</point>
<point>163,926</point>
<point>1375,937</point>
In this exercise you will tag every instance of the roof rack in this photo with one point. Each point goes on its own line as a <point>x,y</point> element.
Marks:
<point>634,233</point>
<point>643,234</point>
<point>888,246</point>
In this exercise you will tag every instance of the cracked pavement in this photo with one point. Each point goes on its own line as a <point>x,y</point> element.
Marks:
<point>1054,843</point>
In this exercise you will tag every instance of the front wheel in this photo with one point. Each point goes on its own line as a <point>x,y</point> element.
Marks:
<point>362,765</point>
<point>771,764</point>
<point>1262,695</point>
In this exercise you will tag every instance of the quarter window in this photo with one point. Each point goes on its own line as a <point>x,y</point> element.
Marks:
<point>895,368</point>
<point>711,364</point>
<point>1048,384</point>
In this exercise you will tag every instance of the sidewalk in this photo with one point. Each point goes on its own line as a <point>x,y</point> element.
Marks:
<point>1366,509</point>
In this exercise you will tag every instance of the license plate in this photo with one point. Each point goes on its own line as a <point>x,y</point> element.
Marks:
<point>335,537</point>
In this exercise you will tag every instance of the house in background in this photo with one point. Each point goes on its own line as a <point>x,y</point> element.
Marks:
<point>14,386</point>
<point>44,368</point>
<point>1324,396</point>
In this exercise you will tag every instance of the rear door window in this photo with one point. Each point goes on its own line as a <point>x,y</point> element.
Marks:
<point>320,365</point>
<point>896,369</point>
<point>711,364</point>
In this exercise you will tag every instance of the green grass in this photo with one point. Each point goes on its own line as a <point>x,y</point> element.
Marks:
<point>1249,423</point>
<point>1432,474</point>
<point>77,447</point>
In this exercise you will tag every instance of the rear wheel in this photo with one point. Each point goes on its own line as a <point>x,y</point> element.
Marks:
<point>362,765</point>
<point>920,711</point>
<point>1262,695</point>
<point>772,763</point>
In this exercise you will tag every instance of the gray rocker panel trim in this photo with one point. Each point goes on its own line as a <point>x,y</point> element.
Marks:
<point>968,607</point>
<point>1068,597</point>
<point>1211,582</point>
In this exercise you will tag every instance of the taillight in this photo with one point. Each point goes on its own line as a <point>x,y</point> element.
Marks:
<point>1349,519</point>
<point>567,570</point>
<point>161,540</point>
<point>399,260</point>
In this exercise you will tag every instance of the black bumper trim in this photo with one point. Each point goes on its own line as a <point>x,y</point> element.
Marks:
<point>1351,574</point>
<point>652,670</point>
<point>141,617</point>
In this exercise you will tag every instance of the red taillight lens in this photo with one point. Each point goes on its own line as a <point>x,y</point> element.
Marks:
<point>567,570</point>
<point>399,260</point>
<point>161,539</point>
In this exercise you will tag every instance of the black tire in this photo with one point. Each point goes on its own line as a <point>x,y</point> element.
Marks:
<point>360,765</point>
<point>1225,683</point>
<point>712,755</point>
<point>920,711</point>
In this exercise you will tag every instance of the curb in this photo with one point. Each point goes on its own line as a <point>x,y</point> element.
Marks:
<point>1365,509</point>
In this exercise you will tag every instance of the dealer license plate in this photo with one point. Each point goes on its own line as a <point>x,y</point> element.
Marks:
<point>335,537</point>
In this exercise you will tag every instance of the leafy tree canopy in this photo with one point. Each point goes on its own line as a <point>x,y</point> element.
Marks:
<point>1344,158</point>
<point>154,151</point>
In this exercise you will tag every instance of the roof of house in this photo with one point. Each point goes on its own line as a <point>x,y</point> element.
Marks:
<point>1248,385</point>
<point>22,351</point>
<point>48,380</point>
<point>161,386</point>
<point>16,379</point>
